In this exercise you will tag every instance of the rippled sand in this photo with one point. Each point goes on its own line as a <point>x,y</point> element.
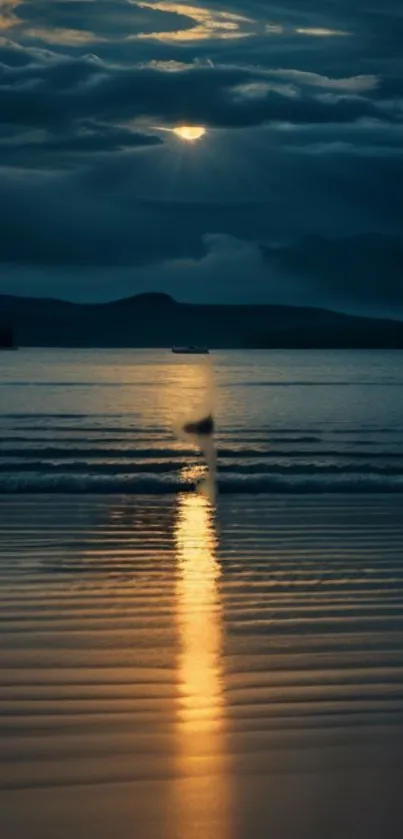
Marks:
<point>167,673</point>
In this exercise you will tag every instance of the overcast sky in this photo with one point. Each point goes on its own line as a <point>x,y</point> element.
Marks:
<point>294,193</point>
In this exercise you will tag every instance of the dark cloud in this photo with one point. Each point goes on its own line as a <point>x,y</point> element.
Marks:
<point>89,138</point>
<point>61,91</point>
<point>351,270</point>
<point>67,225</point>
<point>109,19</point>
<point>95,216</point>
<point>296,190</point>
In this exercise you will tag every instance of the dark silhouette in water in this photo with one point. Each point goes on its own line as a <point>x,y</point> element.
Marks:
<point>6,338</point>
<point>202,428</point>
<point>199,428</point>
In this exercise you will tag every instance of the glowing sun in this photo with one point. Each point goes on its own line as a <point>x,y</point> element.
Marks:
<point>189,133</point>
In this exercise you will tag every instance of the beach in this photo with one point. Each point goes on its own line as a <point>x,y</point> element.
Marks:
<point>170,669</point>
<point>176,669</point>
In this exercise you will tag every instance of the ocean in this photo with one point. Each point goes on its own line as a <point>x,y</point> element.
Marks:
<point>174,669</point>
<point>103,421</point>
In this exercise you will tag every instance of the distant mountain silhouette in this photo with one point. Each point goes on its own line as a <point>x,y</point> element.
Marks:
<point>157,320</point>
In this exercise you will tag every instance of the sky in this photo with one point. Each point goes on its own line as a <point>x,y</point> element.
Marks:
<point>293,193</point>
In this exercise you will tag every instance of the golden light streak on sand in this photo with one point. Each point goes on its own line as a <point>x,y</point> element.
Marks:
<point>201,793</point>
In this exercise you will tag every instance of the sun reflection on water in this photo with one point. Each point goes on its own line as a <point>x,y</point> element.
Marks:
<point>203,785</point>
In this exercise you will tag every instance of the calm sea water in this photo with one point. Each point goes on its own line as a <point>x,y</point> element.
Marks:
<point>103,420</point>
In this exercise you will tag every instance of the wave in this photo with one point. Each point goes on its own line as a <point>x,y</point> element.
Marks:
<point>168,466</point>
<point>264,383</point>
<point>60,452</point>
<point>100,424</point>
<point>316,383</point>
<point>151,485</point>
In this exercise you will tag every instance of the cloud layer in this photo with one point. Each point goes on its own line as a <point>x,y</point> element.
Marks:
<point>299,172</point>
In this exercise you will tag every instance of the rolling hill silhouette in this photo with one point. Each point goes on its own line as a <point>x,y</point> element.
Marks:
<point>157,320</point>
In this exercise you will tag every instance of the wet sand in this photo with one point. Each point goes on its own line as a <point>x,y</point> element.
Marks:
<point>167,673</point>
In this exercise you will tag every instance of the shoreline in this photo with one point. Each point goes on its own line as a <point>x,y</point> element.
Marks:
<point>186,671</point>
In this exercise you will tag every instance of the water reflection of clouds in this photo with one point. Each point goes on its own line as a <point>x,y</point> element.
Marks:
<point>202,788</point>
